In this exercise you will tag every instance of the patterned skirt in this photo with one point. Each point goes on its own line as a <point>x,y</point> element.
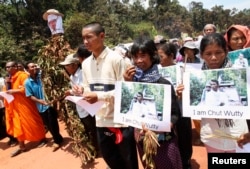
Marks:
<point>168,155</point>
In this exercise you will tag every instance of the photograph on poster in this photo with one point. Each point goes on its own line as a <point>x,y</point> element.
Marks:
<point>169,73</point>
<point>217,93</point>
<point>226,87</point>
<point>143,103</point>
<point>240,58</point>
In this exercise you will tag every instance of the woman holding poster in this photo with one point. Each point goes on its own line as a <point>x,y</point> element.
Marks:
<point>146,70</point>
<point>213,50</point>
<point>167,53</point>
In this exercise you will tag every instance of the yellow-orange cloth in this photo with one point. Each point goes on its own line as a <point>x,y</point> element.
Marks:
<point>22,117</point>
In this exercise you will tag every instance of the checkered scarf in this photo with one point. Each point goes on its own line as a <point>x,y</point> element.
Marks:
<point>151,75</point>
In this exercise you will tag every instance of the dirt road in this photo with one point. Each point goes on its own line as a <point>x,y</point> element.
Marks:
<point>64,158</point>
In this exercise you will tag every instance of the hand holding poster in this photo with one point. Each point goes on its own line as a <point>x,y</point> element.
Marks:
<point>140,104</point>
<point>217,93</point>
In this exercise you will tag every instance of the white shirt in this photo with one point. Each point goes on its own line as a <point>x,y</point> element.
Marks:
<point>100,75</point>
<point>139,109</point>
<point>144,110</point>
<point>210,126</point>
<point>1,89</point>
<point>215,98</point>
<point>241,63</point>
<point>77,79</point>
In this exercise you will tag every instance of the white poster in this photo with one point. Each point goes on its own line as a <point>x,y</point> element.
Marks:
<point>217,93</point>
<point>92,109</point>
<point>9,97</point>
<point>148,104</point>
<point>174,74</point>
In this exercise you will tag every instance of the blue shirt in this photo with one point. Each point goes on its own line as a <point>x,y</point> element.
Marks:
<point>35,88</point>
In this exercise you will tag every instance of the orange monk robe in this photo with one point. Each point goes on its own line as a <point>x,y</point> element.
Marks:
<point>22,117</point>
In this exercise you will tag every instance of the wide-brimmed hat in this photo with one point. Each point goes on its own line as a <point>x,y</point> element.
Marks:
<point>187,39</point>
<point>51,11</point>
<point>189,45</point>
<point>69,60</point>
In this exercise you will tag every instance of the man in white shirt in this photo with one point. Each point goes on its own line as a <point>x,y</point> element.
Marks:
<point>143,108</point>
<point>139,108</point>
<point>215,97</point>
<point>72,66</point>
<point>241,62</point>
<point>101,71</point>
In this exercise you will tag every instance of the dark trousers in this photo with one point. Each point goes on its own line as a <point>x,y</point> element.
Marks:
<point>3,132</point>
<point>50,120</point>
<point>118,156</point>
<point>184,132</point>
<point>90,127</point>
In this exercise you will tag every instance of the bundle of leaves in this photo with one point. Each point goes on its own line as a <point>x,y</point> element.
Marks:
<point>55,83</point>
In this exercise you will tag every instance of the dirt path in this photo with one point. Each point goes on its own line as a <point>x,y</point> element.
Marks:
<point>44,158</point>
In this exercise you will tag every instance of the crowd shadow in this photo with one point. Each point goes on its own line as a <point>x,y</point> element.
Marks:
<point>196,138</point>
<point>3,145</point>
<point>194,164</point>
<point>197,143</point>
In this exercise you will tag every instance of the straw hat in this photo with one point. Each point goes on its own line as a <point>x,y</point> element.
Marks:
<point>51,11</point>
<point>189,45</point>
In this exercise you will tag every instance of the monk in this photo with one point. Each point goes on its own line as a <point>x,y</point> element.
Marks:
<point>22,118</point>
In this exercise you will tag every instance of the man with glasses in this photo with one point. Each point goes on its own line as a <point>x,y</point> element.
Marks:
<point>22,118</point>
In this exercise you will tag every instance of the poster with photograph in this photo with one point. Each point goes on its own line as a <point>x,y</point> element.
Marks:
<point>217,93</point>
<point>181,68</point>
<point>138,104</point>
<point>240,58</point>
<point>174,74</point>
<point>169,73</point>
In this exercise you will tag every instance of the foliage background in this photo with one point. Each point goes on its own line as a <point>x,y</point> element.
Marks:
<point>23,31</point>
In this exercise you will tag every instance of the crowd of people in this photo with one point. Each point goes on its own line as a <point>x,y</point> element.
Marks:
<point>95,68</point>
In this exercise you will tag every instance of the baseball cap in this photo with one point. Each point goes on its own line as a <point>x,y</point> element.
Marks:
<point>69,60</point>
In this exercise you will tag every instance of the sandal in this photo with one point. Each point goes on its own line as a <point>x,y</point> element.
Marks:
<point>42,143</point>
<point>17,151</point>
<point>56,147</point>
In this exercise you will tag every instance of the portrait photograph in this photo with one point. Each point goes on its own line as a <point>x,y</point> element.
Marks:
<point>143,103</point>
<point>220,92</point>
<point>240,58</point>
